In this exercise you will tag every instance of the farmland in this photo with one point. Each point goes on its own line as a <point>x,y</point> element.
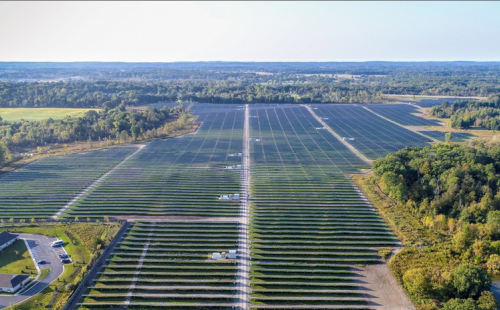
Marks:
<point>40,189</point>
<point>39,114</point>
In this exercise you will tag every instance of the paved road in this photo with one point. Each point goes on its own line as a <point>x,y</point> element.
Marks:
<point>40,247</point>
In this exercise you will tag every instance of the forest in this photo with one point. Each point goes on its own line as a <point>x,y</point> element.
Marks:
<point>452,191</point>
<point>471,113</point>
<point>110,84</point>
<point>116,124</point>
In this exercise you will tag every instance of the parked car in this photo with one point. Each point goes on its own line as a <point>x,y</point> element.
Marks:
<point>41,262</point>
<point>66,261</point>
<point>57,243</point>
<point>64,255</point>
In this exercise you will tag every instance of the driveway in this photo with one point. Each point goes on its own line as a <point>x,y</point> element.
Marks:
<point>41,249</point>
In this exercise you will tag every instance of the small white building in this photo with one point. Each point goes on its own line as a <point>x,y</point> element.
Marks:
<point>216,255</point>
<point>224,255</point>
<point>230,197</point>
<point>7,239</point>
<point>11,283</point>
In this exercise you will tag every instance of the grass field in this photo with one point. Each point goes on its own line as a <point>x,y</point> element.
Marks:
<point>38,114</point>
<point>15,258</point>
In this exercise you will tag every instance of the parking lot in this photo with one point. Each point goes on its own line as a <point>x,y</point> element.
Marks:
<point>41,248</point>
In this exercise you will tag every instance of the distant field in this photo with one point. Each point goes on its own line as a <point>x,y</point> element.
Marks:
<point>38,114</point>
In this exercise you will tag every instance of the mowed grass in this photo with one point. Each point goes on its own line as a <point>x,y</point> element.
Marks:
<point>38,114</point>
<point>15,258</point>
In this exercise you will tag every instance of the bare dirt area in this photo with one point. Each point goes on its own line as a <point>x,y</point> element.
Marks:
<point>381,289</point>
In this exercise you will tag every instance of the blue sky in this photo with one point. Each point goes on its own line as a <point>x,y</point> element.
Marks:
<point>249,31</point>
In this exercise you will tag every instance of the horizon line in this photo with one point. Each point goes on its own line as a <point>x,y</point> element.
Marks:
<point>254,61</point>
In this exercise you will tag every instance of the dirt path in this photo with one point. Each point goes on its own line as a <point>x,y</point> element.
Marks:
<point>352,148</point>
<point>135,279</point>
<point>381,289</point>
<point>85,191</point>
<point>243,278</point>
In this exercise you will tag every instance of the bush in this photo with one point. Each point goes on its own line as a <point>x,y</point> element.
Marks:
<point>460,304</point>
<point>469,281</point>
<point>487,301</point>
<point>493,264</point>
<point>417,282</point>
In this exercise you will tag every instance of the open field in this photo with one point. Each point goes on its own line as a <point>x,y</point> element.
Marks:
<point>39,114</point>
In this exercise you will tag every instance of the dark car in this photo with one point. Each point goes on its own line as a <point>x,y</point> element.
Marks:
<point>66,261</point>
<point>64,255</point>
<point>41,262</point>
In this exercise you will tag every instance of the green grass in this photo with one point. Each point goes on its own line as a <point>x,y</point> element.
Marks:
<point>38,114</point>
<point>15,258</point>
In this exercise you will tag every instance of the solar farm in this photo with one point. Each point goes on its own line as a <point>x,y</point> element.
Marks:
<point>370,134</point>
<point>42,188</point>
<point>402,114</point>
<point>255,210</point>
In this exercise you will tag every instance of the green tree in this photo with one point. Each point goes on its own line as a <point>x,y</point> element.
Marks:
<point>460,304</point>
<point>5,156</point>
<point>493,264</point>
<point>494,221</point>
<point>393,185</point>
<point>469,281</point>
<point>448,136</point>
<point>417,282</point>
<point>136,131</point>
<point>487,301</point>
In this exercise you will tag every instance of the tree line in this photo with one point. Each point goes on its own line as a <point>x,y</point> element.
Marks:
<point>471,113</point>
<point>453,192</point>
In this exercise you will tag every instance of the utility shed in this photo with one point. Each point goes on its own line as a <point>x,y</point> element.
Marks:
<point>216,255</point>
<point>7,239</point>
<point>12,282</point>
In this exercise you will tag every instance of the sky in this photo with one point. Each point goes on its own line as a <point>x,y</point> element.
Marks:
<point>249,31</point>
